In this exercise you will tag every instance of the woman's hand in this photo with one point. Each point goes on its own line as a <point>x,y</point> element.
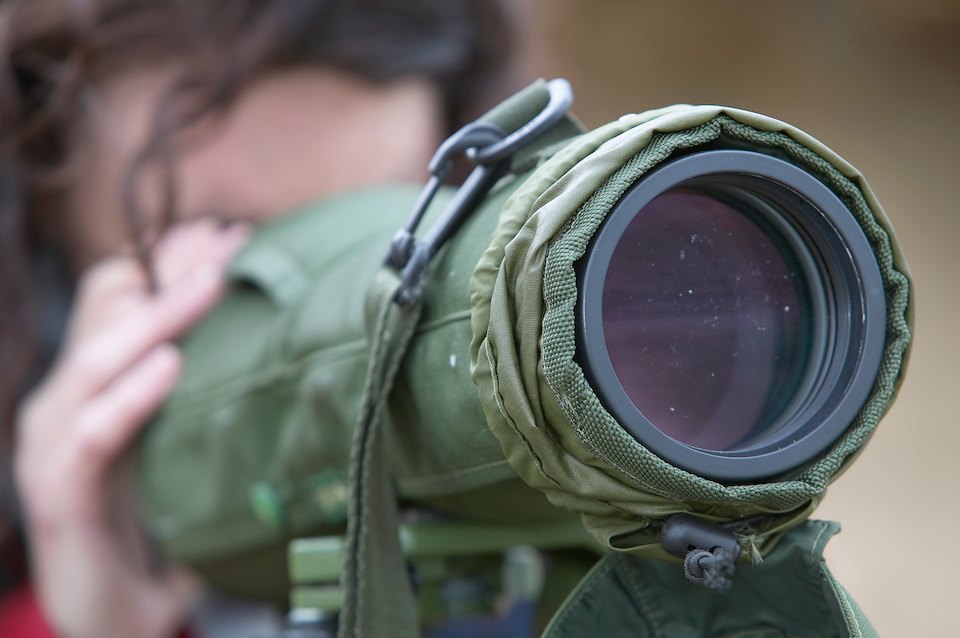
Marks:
<point>91,565</point>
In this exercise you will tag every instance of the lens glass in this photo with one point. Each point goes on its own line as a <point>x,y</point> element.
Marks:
<point>707,320</point>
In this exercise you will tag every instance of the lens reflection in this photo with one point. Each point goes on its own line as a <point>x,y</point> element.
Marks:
<point>706,321</point>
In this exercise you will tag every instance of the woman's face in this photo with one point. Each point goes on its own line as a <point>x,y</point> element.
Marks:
<point>292,137</point>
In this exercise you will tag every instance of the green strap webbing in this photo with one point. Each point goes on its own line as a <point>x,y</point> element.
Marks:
<point>377,596</point>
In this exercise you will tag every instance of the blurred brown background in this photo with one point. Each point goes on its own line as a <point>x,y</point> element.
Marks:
<point>880,83</point>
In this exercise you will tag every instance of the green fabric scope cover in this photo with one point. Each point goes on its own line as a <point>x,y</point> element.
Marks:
<point>253,447</point>
<point>553,428</point>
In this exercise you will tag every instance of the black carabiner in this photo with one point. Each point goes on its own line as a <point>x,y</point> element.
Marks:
<point>559,102</point>
<point>473,135</point>
<point>490,149</point>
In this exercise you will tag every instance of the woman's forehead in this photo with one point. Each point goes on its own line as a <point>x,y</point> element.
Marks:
<point>291,137</point>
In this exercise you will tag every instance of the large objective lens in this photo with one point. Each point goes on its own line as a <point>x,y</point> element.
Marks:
<point>731,314</point>
<point>706,319</point>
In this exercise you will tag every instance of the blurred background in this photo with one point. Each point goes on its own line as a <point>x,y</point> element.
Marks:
<point>879,82</point>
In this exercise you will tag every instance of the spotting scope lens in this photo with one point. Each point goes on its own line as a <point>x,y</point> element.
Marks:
<point>731,315</point>
<point>707,319</point>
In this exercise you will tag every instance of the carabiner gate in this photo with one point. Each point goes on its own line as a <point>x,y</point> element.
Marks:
<point>490,149</point>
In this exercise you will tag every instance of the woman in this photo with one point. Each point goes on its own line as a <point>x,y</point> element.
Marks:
<point>138,141</point>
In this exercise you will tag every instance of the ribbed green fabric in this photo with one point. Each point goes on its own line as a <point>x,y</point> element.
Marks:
<point>553,429</point>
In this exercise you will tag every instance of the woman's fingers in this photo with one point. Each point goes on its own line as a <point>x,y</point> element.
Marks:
<point>112,371</point>
<point>118,285</point>
<point>106,290</point>
<point>106,425</point>
<point>117,368</point>
<point>182,249</point>
<point>91,365</point>
<point>116,321</point>
<point>189,246</point>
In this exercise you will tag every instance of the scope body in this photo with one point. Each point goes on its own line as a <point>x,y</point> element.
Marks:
<point>286,352</point>
<point>694,310</point>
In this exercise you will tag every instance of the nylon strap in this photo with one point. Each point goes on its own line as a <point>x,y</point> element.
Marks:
<point>378,599</point>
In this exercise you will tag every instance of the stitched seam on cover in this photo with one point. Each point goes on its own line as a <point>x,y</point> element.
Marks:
<point>568,608</point>
<point>641,598</point>
<point>816,541</point>
<point>491,364</point>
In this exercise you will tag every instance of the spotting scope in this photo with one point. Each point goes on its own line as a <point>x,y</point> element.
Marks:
<point>657,341</point>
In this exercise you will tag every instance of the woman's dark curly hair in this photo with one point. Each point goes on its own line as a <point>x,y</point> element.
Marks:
<point>54,52</point>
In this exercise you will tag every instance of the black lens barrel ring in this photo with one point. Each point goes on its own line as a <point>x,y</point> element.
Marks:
<point>814,369</point>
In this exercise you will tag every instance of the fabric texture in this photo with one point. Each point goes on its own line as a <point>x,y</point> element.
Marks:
<point>552,426</point>
<point>792,594</point>
<point>252,449</point>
